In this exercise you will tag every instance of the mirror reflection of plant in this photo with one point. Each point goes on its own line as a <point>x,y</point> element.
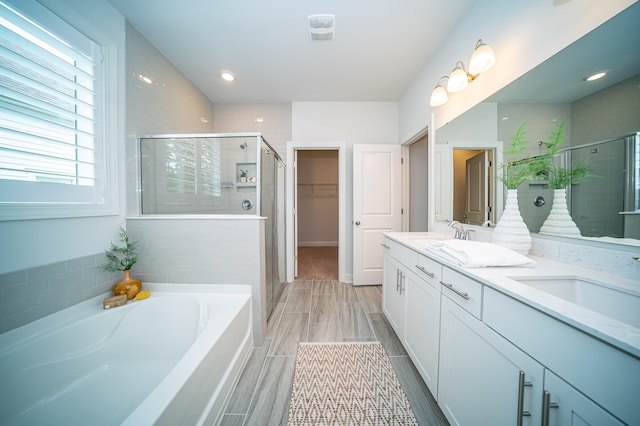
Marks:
<point>518,170</point>
<point>121,258</point>
<point>560,177</point>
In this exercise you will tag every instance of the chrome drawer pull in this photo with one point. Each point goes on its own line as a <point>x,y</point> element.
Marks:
<point>385,246</point>
<point>431,274</point>
<point>521,413</point>
<point>546,406</point>
<point>455,290</point>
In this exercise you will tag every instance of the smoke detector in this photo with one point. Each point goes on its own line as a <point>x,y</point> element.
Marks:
<point>322,27</point>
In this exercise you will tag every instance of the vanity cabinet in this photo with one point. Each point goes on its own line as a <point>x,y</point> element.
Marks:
<point>422,335</point>
<point>411,303</point>
<point>604,378</point>
<point>483,378</point>
<point>564,405</point>
<point>490,358</point>
<point>393,299</point>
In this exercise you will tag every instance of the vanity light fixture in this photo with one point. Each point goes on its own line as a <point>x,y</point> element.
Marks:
<point>481,60</point>
<point>227,76</point>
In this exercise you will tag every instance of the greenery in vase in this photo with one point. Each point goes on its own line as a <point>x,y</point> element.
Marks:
<point>515,171</point>
<point>243,173</point>
<point>560,177</point>
<point>123,257</point>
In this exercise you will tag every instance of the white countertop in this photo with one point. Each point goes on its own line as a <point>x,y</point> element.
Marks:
<point>616,333</point>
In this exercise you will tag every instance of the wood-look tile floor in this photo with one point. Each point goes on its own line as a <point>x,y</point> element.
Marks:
<point>319,311</point>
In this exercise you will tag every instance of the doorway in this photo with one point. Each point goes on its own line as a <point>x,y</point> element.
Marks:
<point>317,214</point>
<point>293,149</point>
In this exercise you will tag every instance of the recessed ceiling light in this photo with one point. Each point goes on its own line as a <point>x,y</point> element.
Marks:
<point>596,76</point>
<point>227,75</point>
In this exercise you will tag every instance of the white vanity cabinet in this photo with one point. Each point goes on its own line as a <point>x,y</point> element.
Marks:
<point>411,303</point>
<point>393,299</point>
<point>586,377</point>
<point>491,357</point>
<point>422,331</point>
<point>483,378</point>
<point>564,405</point>
<point>398,260</point>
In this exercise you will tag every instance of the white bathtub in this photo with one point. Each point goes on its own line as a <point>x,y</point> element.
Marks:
<point>170,359</point>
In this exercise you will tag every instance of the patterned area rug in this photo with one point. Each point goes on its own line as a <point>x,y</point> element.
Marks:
<point>347,384</point>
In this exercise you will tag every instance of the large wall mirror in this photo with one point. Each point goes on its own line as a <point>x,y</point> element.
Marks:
<point>603,121</point>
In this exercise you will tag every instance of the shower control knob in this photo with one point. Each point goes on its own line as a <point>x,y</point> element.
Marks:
<point>357,222</point>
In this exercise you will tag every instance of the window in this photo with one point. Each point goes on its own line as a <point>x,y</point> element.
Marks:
<point>51,109</point>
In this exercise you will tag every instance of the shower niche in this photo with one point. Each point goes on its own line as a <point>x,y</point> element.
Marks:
<point>246,175</point>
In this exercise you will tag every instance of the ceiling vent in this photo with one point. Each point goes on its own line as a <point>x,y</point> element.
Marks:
<point>322,27</point>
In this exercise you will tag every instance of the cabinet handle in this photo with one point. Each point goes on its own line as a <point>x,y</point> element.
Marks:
<point>521,413</point>
<point>431,274</point>
<point>455,290</point>
<point>401,282</point>
<point>385,246</point>
<point>397,280</point>
<point>546,407</point>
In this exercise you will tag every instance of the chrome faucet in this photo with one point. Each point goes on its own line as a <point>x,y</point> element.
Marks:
<point>461,234</point>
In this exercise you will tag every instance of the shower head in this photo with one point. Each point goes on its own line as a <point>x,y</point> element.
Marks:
<point>244,145</point>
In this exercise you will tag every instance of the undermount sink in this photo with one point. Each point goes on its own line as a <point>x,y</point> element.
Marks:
<point>608,300</point>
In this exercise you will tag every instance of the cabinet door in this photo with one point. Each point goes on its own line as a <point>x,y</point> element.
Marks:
<point>422,335</point>
<point>393,295</point>
<point>564,405</point>
<point>480,377</point>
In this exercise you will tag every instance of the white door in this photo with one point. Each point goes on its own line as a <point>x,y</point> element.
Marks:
<point>376,207</point>
<point>476,187</point>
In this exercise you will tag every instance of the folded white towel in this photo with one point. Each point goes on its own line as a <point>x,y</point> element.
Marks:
<point>476,254</point>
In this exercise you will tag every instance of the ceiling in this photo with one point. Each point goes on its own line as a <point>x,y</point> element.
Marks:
<point>379,49</point>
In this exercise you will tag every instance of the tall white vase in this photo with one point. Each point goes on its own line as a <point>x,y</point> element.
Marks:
<point>511,231</point>
<point>559,221</point>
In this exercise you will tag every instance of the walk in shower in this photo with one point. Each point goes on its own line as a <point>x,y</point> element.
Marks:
<point>226,174</point>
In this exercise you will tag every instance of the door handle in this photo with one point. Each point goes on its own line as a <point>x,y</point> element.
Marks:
<point>357,222</point>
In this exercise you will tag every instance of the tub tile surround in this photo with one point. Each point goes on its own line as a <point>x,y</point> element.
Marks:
<point>30,294</point>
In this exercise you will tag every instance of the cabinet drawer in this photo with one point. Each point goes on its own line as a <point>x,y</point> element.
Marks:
<point>462,290</point>
<point>408,257</point>
<point>429,270</point>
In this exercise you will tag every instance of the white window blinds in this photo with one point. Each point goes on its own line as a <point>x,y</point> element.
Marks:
<point>50,80</point>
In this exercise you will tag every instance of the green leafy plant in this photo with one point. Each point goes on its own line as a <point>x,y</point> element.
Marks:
<point>560,177</point>
<point>123,257</point>
<point>517,170</point>
<point>243,173</point>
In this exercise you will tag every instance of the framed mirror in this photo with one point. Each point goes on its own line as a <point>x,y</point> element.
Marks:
<point>603,121</point>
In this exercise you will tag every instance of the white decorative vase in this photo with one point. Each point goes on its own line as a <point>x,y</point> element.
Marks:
<point>559,221</point>
<point>511,231</point>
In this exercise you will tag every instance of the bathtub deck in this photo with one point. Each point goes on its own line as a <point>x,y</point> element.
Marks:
<point>319,311</point>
